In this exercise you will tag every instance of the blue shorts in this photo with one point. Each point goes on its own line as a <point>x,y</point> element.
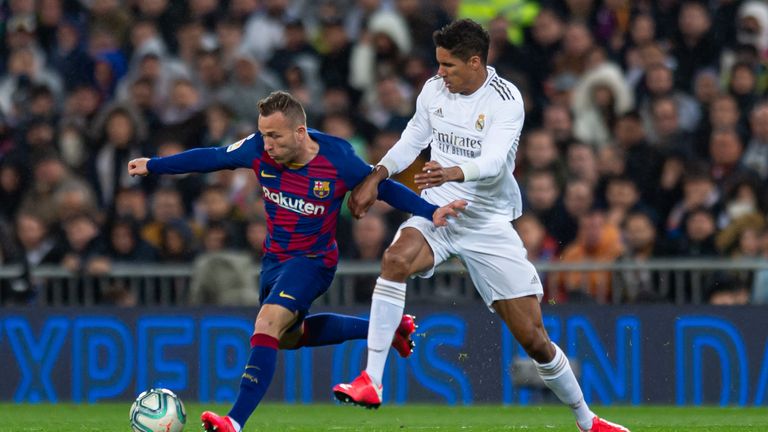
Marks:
<point>294,284</point>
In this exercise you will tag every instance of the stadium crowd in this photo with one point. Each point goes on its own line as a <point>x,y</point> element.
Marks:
<point>646,131</point>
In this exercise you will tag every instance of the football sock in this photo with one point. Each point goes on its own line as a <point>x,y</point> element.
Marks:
<point>235,424</point>
<point>255,381</point>
<point>558,376</point>
<point>386,312</point>
<point>332,329</point>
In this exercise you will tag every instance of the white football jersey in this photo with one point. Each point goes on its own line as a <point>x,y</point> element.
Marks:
<point>480,134</point>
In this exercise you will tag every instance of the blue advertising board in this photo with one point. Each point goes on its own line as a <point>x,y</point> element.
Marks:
<point>626,355</point>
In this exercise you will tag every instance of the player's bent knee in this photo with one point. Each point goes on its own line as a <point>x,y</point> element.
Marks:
<point>396,263</point>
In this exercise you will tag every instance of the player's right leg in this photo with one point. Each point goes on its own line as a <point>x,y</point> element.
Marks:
<point>410,253</point>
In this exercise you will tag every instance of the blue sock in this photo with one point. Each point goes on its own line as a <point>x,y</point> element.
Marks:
<point>258,374</point>
<point>332,329</point>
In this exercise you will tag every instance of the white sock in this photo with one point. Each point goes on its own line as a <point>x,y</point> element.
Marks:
<point>558,376</point>
<point>386,312</point>
<point>235,424</point>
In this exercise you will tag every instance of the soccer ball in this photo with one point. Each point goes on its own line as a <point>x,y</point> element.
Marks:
<point>158,410</point>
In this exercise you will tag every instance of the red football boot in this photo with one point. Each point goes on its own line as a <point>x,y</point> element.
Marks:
<point>402,341</point>
<point>361,392</point>
<point>601,425</point>
<point>213,422</point>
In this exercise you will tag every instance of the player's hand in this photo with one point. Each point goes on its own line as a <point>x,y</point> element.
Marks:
<point>452,209</point>
<point>433,175</point>
<point>138,167</point>
<point>365,194</point>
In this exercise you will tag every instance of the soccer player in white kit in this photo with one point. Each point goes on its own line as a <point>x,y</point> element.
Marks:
<point>472,118</point>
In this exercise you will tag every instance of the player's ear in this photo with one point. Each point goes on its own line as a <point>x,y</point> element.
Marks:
<point>300,131</point>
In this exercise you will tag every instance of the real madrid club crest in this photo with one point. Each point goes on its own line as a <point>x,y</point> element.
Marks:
<point>321,188</point>
<point>480,123</point>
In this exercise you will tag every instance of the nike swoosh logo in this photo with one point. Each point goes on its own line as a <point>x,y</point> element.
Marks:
<point>288,296</point>
<point>265,175</point>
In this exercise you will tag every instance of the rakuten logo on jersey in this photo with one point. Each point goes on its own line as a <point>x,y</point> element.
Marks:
<point>297,205</point>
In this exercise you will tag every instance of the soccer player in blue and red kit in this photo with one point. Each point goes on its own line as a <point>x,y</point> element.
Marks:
<point>304,175</point>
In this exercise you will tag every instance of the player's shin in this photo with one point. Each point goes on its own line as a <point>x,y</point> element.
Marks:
<point>331,329</point>
<point>559,377</point>
<point>386,312</point>
<point>256,378</point>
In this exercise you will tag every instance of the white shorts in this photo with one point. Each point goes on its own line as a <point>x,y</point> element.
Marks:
<point>493,255</point>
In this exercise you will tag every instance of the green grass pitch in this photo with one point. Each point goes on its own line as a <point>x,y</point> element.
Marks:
<point>108,417</point>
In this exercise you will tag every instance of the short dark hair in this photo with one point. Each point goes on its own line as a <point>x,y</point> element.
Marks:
<point>283,102</point>
<point>464,38</point>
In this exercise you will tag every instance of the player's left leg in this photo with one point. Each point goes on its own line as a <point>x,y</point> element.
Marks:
<point>273,320</point>
<point>331,329</point>
<point>523,318</point>
<point>508,283</point>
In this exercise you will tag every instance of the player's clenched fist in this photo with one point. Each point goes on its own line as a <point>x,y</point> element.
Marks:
<point>138,167</point>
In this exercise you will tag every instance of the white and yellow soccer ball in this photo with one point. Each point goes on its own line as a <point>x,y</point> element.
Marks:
<point>158,410</point>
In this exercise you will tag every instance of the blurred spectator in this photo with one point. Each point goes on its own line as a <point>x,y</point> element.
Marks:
<point>265,27</point>
<point>336,57</point>
<point>166,207</point>
<point>26,68</point>
<point>756,155</point>
<point>542,193</point>
<point>723,114</point>
<point>578,198</point>
<point>659,82</point>
<point>85,248</point>
<point>541,247</point>
<point>698,239</point>
<point>558,120</point>
<point>177,242</point>
<point>600,96</point>
<point>380,52</point>
<point>14,180</point>
<point>215,209</point>
<point>699,191</point>
<point>390,107</point>
<point>38,246</point>
<point>727,289</point>
<point>668,136</point>
<point>726,149</point>
<point>51,176</point>
<point>119,134</point>
<point>69,56</point>
<point>597,241</point>
<point>131,203</point>
<point>643,163</point>
<point>539,151</point>
<point>581,162</point>
<point>621,198</point>
<point>694,46</point>
<point>223,278</point>
<point>641,243</point>
<point>248,84</point>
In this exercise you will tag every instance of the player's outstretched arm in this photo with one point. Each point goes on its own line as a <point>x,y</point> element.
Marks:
<point>367,192</point>
<point>452,209</point>
<point>433,175</point>
<point>138,167</point>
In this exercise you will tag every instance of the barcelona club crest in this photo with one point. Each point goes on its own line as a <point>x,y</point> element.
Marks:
<point>321,188</point>
<point>480,123</point>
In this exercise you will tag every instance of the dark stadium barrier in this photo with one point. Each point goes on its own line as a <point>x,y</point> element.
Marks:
<point>625,355</point>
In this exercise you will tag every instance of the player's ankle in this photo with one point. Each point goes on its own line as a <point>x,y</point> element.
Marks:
<point>235,424</point>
